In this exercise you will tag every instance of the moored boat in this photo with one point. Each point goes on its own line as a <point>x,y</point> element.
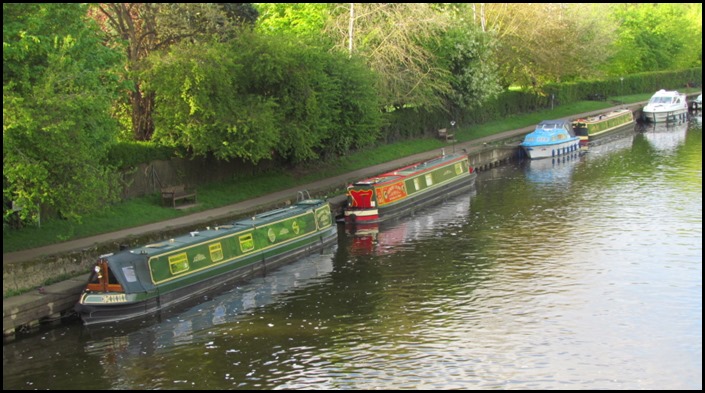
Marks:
<point>551,138</point>
<point>593,126</point>
<point>666,105</point>
<point>143,281</point>
<point>405,189</point>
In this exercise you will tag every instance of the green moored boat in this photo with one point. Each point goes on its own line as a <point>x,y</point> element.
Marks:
<point>591,127</point>
<point>143,281</point>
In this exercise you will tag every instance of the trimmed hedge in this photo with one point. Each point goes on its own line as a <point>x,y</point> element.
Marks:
<point>125,155</point>
<point>409,123</point>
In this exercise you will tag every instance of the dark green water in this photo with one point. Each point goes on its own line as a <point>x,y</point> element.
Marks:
<point>582,273</point>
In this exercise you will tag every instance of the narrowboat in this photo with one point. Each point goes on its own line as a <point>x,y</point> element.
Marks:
<point>666,105</point>
<point>591,127</point>
<point>146,280</point>
<point>406,189</point>
<point>551,138</point>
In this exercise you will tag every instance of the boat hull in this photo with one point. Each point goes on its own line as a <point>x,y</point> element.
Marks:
<point>536,151</point>
<point>664,116</point>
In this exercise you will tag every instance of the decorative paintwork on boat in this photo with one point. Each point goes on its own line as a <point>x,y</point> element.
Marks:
<point>395,193</point>
<point>666,106</point>
<point>551,138</point>
<point>590,127</point>
<point>142,281</point>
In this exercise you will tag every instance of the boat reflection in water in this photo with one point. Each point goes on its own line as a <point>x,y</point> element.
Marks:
<point>553,170</point>
<point>397,234</point>
<point>666,136</point>
<point>618,141</point>
<point>198,322</point>
<point>558,172</point>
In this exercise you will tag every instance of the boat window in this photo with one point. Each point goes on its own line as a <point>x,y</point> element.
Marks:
<point>111,278</point>
<point>247,243</point>
<point>178,263</point>
<point>103,280</point>
<point>216,251</point>
<point>660,100</point>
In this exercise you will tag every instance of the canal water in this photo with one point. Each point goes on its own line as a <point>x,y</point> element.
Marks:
<point>578,273</point>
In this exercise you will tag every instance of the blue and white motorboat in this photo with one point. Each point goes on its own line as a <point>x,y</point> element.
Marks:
<point>551,138</point>
<point>666,105</point>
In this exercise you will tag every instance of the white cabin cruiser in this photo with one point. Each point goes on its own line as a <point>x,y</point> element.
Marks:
<point>666,105</point>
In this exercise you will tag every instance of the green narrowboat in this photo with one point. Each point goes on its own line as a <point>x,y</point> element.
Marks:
<point>590,127</point>
<point>392,194</point>
<point>143,281</point>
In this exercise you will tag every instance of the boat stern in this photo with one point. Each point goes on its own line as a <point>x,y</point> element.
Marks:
<point>362,204</point>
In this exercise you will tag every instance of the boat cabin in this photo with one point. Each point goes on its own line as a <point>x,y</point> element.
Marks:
<point>550,131</point>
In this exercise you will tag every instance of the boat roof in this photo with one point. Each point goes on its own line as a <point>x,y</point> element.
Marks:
<point>549,128</point>
<point>124,264</point>
<point>667,93</point>
<point>602,116</point>
<point>413,169</point>
<point>215,232</point>
<point>547,124</point>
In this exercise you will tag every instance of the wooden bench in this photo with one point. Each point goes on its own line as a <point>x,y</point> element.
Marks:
<point>443,134</point>
<point>174,193</point>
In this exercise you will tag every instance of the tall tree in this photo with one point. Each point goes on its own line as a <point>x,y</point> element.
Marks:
<point>147,27</point>
<point>394,39</point>
<point>58,85</point>
<point>541,42</point>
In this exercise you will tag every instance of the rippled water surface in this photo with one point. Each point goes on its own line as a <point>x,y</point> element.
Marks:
<point>580,273</point>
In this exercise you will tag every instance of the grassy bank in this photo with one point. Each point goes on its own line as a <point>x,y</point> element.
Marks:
<point>148,209</point>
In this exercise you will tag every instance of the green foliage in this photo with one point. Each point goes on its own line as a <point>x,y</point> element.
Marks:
<point>255,98</point>
<point>58,86</point>
<point>304,21</point>
<point>468,55</point>
<point>656,37</point>
<point>630,84</point>
<point>203,107</point>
